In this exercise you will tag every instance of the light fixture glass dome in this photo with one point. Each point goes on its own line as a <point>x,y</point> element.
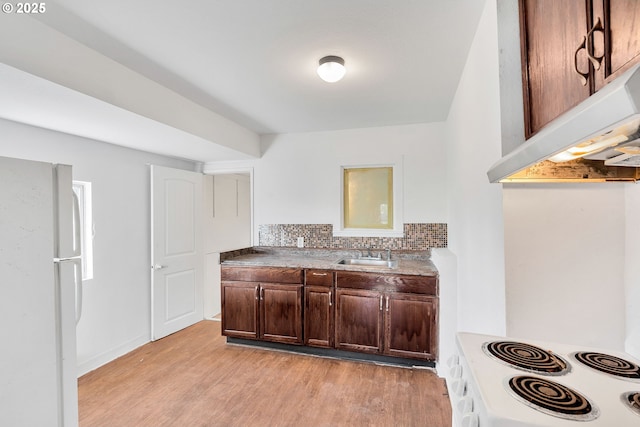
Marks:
<point>331,69</point>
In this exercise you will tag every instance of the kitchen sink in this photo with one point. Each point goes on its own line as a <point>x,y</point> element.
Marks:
<point>375,262</point>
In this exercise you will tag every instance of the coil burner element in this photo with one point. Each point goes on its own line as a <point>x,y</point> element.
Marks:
<point>608,364</point>
<point>527,357</point>
<point>552,398</point>
<point>632,401</point>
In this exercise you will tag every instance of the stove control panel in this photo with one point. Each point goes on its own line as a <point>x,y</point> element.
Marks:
<point>462,401</point>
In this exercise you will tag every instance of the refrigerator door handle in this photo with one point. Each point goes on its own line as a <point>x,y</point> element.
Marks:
<point>77,233</point>
<point>77,251</point>
<point>77,281</point>
<point>77,278</point>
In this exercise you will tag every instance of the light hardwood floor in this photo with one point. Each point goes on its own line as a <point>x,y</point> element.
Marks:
<point>193,378</point>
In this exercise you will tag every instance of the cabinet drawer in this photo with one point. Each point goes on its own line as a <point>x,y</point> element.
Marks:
<point>262,274</point>
<point>319,277</point>
<point>426,285</point>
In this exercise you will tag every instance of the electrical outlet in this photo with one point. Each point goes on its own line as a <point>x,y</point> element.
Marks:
<point>301,242</point>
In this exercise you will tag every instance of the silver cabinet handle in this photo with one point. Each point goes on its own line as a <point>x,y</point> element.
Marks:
<point>387,303</point>
<point>256,292</point>
<point>381,302</point>
<point>262,294</point>
<point>329,298</point>
<point>318,274</point>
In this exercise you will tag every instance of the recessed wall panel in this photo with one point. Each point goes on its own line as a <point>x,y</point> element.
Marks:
<point>180,291</point>
<point>179,228</point>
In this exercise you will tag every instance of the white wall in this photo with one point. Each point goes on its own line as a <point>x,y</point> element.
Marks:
<point>564,251</point>
<point>632,269</point>
<point>297,180</point>
<point>116,309</point>
<point>475,223</point>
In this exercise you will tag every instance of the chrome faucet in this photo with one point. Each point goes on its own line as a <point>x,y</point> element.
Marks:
<point>388,254</point>
<point>371,256</point>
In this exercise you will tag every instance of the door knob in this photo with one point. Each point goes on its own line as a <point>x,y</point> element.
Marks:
<point>158,267</point>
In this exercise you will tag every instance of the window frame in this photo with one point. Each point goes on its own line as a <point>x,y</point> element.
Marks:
<point>396,230</point>
<point>82,189</point>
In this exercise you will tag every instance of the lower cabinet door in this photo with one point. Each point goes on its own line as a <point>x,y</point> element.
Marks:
<point>240,309</point>
<point>359,320</point>
<point>410,326</point>
<point>318,316</point>
<point>281,313</point>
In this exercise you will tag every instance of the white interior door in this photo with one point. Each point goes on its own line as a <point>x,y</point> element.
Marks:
<point>176,250</point>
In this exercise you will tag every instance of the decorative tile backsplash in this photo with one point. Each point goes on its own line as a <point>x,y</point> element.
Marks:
<point>416,237</point>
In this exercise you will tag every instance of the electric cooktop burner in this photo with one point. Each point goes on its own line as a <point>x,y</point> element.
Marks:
<point>552,398</point>
<point>608,364</point>
<point>632,401</point>
<point>526,357</point>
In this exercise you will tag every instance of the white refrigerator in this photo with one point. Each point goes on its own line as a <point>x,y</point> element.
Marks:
<point>40,294</point>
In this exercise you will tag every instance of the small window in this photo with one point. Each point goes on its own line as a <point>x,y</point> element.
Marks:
<point>83,192</point>
<point>368,198</point>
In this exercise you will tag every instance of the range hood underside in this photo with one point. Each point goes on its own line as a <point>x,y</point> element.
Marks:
<point>610,116</point>
<point>579,170</point>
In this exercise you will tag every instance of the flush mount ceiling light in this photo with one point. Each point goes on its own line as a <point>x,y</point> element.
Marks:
<point>331,69</point>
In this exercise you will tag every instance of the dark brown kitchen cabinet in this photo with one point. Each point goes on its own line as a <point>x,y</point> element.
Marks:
<point>618,43</point>
<point>550,32</point>
<point>281,313</point>
<point>262,303</point>
<point>394,315</point>
<point>359,320</point>
<point>240,309</point>
<point>570,49</point>
<point>377,313</point>
<point>410,326</point>
<point>319,308</point>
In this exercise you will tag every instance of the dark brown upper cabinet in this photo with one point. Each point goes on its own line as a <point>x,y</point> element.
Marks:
<point>570,49</point>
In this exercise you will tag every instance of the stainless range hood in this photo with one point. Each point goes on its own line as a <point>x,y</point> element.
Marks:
<point>605,122</point>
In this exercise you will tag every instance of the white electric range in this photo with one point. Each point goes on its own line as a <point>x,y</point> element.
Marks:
<point>500,382</point>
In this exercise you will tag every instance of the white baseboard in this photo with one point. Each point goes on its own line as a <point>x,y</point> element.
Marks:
<point>93,363</point>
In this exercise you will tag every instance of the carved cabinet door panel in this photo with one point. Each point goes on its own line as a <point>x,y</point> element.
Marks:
<point>556,71</point>
<point>617,39</point>
<point>318,316</point>
<point>359,320</point>
<point>240,309</point>
<point>281,313</point>
<point>410,326</point>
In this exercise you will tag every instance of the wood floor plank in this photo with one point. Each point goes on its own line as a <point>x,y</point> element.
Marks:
<point>194,378</point>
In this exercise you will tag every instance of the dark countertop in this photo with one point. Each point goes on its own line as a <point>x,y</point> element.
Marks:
<point>416,263</point>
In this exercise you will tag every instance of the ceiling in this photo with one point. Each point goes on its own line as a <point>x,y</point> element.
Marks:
<point>254,61</point>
